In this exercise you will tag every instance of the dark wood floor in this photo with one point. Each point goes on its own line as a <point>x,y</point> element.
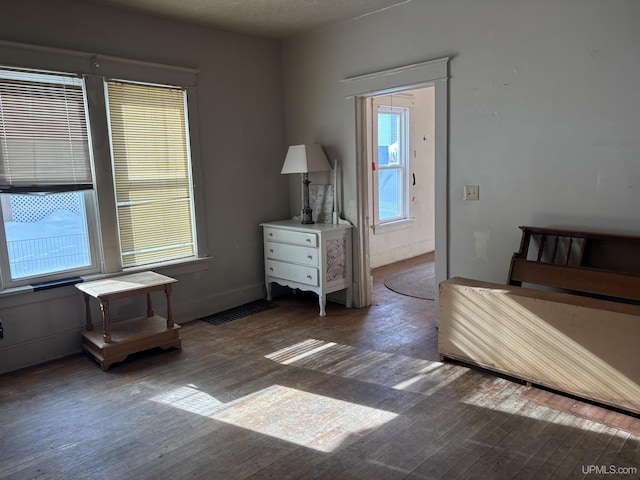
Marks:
<point>285,394</point>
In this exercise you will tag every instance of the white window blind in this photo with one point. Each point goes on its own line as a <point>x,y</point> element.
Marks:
<point>43,133</point>
<point>151,164</point>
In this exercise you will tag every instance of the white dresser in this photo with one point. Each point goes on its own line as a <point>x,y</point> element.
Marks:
<point>314,257</point>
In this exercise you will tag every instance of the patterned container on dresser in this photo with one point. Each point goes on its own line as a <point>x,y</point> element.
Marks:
<point>315,257</point>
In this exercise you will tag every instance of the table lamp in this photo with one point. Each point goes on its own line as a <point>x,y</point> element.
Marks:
<point>304,159</point>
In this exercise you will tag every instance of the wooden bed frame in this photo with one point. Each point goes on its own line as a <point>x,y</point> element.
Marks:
<point>583,340</point>
<point>584,262</point>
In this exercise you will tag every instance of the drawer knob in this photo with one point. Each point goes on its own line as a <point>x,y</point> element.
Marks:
<point>270,234</point>
<point>310,257</point>
<point>309,277</point>
<point>271,269</point>
<point>271,250</point>
<point>308,240</point>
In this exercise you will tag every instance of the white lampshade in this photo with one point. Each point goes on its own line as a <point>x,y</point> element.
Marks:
<point>304,159</point>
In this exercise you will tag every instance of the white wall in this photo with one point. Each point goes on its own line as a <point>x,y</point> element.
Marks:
<point>392,243</point>
<point>242,145</point>
<point>544,111</point>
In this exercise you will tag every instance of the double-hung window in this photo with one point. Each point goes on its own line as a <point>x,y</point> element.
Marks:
<point>46,183</point>
<point>55,212</point>
<point>152,172</point>
<point>391,160</point>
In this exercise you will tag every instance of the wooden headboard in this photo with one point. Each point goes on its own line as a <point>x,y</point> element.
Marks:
<point>585,262</point>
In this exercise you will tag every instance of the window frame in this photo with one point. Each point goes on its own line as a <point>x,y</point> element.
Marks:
<point>94,251</point>
<point>189,173</point>
<point>94,70</point>
<point>386,106</point>
<point>89,203</point>
<point>105,184</point>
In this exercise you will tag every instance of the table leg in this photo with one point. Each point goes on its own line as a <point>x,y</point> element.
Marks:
<point>104,306</point>
<point>149,306</point>
<point>167,291</point>
<point>87,307</point>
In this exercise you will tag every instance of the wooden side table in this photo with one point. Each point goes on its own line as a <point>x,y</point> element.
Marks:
<point>116,342</point>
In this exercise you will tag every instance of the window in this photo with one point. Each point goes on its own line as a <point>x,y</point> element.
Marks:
<point>46,234</point>
<point>45,178</point>
<point>151,172</point>
<point>49,204</point>
<point>391,163</point>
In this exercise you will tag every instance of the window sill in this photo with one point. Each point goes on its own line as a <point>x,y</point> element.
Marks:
<point>170,269</point>
<point>393,226</point>
<point>180,267</point>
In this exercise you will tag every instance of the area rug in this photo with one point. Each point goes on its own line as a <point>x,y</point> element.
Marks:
<point>416,282</point>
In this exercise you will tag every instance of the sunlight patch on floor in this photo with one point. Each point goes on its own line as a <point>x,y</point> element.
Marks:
<point>422,374</point>
<point>399,372</point>
<point>303,418</point>
<point>190,399</point>
<point>306,419</point>
<point>300,351</point>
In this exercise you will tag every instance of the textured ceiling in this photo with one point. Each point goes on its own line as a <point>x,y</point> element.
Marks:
<point>268,18</point>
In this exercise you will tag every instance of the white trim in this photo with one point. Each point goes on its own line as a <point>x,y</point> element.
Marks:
<point>397,254</point>
<point>362,280</point>
<point>197,177</point>
<point>441,180</point>
<point>384,81</point>
<point>103,174</point>
<point>387,227</point>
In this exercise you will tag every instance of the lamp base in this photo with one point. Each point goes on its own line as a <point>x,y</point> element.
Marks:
<point>307,216</point>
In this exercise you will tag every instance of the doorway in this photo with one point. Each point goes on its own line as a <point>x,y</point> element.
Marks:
<point>401,154</point>
<point>357,89</point>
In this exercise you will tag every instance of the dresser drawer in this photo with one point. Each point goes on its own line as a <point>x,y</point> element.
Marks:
<point>290,236</point>
<point>290,271</point>
<point>291,253</point>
